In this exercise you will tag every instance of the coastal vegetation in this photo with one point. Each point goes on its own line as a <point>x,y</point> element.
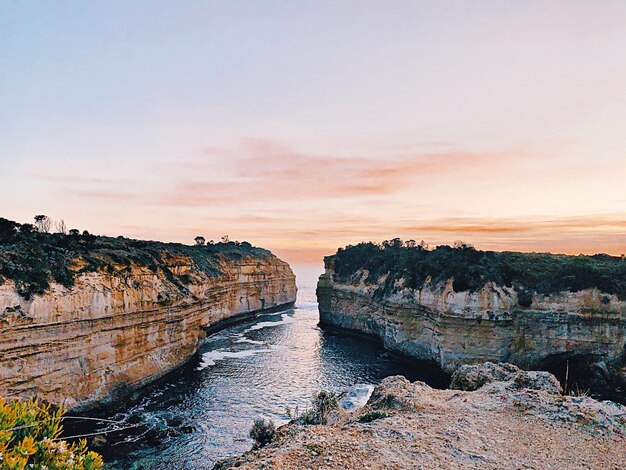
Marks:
<point>263,432</point>
<point>372,416</point>
<point>29,438</point>
<point>411,264</point>
<point>322,404</point>
<point>32,257</point>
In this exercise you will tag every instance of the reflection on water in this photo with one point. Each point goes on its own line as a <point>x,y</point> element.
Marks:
<point>251,370</point>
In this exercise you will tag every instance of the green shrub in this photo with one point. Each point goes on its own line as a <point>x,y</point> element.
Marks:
<point>372,416</point>
<point>388,401</point>
<point>29,438</point>
<point>524,297</point>
<point>309,416</point>
<point>263,432</point>
<point>33,259</point>
<point>410,265</point>
<point>322,403</point>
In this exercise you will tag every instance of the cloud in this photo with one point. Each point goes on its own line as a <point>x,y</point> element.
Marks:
<point>306,204</point>
<point>65,178</point>
<point>525,225</point>
<point>266,170</point>
<point>262,170</point>
<point>570,235</point>
<point>109,195</point>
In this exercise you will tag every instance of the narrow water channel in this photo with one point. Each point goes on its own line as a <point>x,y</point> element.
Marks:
<point>255,369</point>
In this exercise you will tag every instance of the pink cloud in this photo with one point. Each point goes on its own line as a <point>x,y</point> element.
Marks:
<point>266,170</point>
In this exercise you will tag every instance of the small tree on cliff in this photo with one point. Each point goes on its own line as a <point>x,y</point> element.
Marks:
<point>43,223</point>
<point>61,227</point>
<point>461,245</point>
<point>27,228</point>
<point>8,229</point>
<point>199,240</point>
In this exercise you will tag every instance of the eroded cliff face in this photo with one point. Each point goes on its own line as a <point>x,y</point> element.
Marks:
<point>109,334</point>
<point>434,323</point>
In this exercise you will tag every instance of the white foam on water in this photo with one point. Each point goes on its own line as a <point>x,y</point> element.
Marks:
<point>284,320</point>
<point>210,358</point>
<point>250,341</point>
<point>356,397</point>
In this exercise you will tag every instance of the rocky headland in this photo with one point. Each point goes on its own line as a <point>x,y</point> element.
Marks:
<point>502,418</point>
<point>457,305</point>
<point>85,321</point>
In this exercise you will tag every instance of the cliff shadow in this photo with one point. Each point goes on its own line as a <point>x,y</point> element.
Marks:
<point>362,347</point>
<point>585,374</point>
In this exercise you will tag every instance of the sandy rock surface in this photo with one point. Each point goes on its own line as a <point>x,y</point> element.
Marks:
<point>499,426</point>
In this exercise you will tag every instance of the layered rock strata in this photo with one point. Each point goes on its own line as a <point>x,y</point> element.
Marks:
<point>584,330</point>
<point>111,333</point>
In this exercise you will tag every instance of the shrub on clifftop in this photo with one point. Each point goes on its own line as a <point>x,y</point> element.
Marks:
<point>263,432</point>
<point>322,404</point>
<point>32,259</point>
<point>410,265</point>
<point>29,438</point>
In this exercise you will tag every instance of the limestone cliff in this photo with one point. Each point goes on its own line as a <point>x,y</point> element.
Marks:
<point>586,329</point>
<point>115,330</point>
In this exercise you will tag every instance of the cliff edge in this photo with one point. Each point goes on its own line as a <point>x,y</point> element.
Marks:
<point>456,306</point>
<point>85,320</point>
<point>507,422</point>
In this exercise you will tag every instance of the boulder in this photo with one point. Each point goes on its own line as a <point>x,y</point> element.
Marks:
<point>389,393</point>
<point>538,380</point>
<point>472,377</point>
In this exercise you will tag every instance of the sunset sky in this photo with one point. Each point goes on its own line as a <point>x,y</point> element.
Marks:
<point>304,126</point>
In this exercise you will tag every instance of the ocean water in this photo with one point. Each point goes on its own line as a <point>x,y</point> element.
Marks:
<point>255,369</point>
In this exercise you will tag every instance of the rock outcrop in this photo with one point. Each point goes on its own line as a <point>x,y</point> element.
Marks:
<point>411,425</point>
<point>110,333</point>
<point>585,330</point>
<point>473,377</point>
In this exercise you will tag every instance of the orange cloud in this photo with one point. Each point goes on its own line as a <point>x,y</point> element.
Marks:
<point>567,235</point>
<point>521,226</point>
<point>306,205</point>
<point>266,170</point>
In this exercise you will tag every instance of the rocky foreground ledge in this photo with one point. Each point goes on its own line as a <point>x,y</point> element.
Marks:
<point>502,418</point>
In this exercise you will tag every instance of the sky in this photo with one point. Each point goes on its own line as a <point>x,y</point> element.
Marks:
<point>305,126</point>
